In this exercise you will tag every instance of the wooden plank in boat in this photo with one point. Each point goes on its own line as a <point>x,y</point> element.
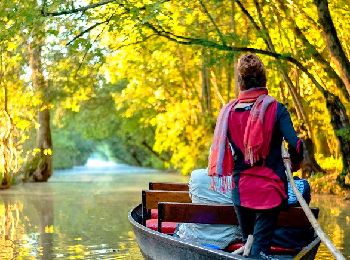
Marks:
<point>223,214</point>
<point>169,186</point>
<point>295,217</point>
<point>151,198</point>
<point>197,213</point>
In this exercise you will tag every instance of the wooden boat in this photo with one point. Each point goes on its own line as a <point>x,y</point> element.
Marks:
<point>157,246</point>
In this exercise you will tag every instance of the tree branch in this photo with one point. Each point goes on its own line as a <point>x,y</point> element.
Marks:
<point>256,26</point>
<point>245,11</point>
<point>207,43</point>
<point>301,11</point>
<point>91,6</point>
<point>77,10</point>
<point>150,149</point>
<point>284,72</point>
<point>318,57</point>
<point>86,52</point>
<point>264,30</point>
<point>137,42</point>
<point>87,30</point>
<point>213,22</point>
<point>333,43</point>
<point>214,82</point>
<point>287,57</point>
<point>44,7</point>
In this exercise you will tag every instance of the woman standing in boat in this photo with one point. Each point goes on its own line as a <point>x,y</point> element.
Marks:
<point>247,143</point>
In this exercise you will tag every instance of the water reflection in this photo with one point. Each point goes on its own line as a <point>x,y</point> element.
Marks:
<point>44,208</point>
<point>82,214</point>
<point>26,226</point>
<point>9,227</point>
<point>79,214</point>
<point>334,219</point>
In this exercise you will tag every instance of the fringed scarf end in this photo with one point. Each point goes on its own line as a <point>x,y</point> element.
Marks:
<point>249,156</point>
<point>221,184</point>
<point>252,156</point>
<point>212,183</point>
<point>223,187</point>
<point>224,184</point>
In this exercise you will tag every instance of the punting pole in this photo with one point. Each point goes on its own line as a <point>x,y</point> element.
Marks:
<point>324,238</point>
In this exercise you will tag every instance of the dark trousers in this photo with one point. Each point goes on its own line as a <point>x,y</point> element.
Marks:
<point>260,224</point>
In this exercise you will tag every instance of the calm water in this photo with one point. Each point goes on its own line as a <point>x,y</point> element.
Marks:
<point>82,214</point>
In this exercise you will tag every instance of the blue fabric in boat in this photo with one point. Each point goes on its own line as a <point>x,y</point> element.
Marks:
<point>295,238</point>
<point>304,188</point>
<point>211,246</point>
<point>219,236</point>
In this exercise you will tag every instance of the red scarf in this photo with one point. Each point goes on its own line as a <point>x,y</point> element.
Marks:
<point>258,131</point>
<point>257,136</point>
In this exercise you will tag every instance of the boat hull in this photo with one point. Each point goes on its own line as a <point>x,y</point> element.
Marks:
<point>157,246</point>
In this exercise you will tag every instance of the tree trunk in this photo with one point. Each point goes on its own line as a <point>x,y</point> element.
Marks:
<point>333,43</point>
<point>340,123</point>
<point>309,164</point>
<point>43,167</point>
<point>206,97</point>
<point>322,144</point>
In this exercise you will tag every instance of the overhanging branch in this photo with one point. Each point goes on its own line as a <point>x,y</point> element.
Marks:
<point>77,10</point>
<point>136,42</point>
<point>207,43</point>
<point>87,30</point>
<point>245,11</point>
<point>87,50</point>
<point>87,7</point>
<point>213,22</point>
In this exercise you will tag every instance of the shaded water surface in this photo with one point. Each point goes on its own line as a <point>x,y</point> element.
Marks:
<point>82,214</point>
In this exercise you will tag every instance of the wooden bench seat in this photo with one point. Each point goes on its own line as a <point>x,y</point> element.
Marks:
<point>225,214</point>
<point>166,186</point>
<point>150,199</point>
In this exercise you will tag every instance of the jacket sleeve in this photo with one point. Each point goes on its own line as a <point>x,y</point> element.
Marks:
<point>295,145</point>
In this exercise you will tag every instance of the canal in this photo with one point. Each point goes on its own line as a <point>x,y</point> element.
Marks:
<point>82,214</point>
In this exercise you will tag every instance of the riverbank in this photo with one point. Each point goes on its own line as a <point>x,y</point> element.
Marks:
<point>327,184</point>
